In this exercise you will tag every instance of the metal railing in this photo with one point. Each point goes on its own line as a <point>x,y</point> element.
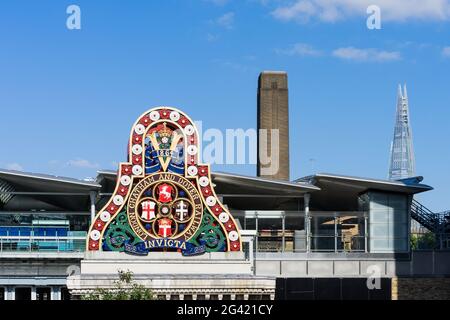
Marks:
<point>319,243</point>
<point>42,244</point>
<point>433,221</point>
<point>437,223</point>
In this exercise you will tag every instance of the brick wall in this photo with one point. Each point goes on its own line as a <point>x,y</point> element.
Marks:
<point>421,289</point>
<point>273,113</point>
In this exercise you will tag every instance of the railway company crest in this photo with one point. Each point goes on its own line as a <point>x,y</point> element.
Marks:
<point>164,199</point>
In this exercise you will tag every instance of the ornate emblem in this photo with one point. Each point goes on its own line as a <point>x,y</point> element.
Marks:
<point>165,196</point>
<point>177,203</point>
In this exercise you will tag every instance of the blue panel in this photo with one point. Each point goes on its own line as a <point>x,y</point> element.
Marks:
<point>13,231</point>
<point>50,232</point>
<point>62,232</point>
<point>25,231</point>
<point>39,232</point>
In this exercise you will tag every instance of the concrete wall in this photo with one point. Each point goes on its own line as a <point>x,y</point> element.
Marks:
<point>35,271</point>
<point>421,263</point>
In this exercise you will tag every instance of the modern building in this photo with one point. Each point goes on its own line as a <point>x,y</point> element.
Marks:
<point>402,164</point>
<point>189,233</point>
<point>321,226</point>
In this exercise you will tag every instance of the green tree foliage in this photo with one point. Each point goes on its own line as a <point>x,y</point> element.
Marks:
<point>124,289</point>
<point>423,241</point>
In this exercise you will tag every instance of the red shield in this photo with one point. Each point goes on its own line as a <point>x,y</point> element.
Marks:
<point>165,193</point>
<point>164,228</point>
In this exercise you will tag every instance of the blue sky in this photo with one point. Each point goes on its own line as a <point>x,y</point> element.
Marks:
<point>69,97</point>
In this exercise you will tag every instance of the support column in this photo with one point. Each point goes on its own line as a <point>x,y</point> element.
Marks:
<point>257,232</point>
<point>93,196</point>
<point>366,247</point>
<point>55,293</point>
<point>33,293</point>
<point>283,227</point>
<point>251,254</point>
<point>335,232</point>
<point>306,199</point>
<point>10,293</point>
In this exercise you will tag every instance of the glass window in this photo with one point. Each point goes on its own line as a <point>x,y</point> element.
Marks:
<point>350,232</point>
<point>295,234</point>
<point>323,233</point>
<point>270,234</point>
<point>338,232</point>
<point>388,222</point>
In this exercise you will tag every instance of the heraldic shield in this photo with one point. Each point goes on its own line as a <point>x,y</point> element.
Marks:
<point>164,199</point>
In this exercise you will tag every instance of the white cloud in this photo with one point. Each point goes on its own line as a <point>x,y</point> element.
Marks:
<point>226,21</point>
<point>299,49</point>
<point>334,10</point>
<point>218,2</point>
<point>446,52</point>
<point>232,65</point>
<point>14,166</point>
<point>356,54</point>
<point>346,53</point>
<point>82,163</point>
<point>212,37</point>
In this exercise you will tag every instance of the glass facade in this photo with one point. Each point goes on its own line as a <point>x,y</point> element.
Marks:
<point>277,231</point>
<point>43,231</point>
<point>75,221</point>
<point>389,221</point>
<point>286,231</point>
<point>339,231</point>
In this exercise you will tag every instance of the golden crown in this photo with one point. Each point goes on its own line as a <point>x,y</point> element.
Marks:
<point>165,132</point>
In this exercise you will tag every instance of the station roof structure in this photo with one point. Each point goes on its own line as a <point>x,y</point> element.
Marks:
<point>28,191</point>
<point>23,190</point>
<point>339,190</point>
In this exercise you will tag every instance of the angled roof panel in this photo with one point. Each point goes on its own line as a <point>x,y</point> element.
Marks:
<point>368,183</point>
<point>230,183</point>
<point>20,177</point>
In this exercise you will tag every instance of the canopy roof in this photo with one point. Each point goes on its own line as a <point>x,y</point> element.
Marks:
<point>340,191</point>
<point>30,191</point>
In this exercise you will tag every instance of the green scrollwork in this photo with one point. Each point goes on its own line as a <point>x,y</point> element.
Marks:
<point>119,232</point>
<point>210,234</point>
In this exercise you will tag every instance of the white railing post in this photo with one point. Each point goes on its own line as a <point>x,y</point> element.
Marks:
<point>306,199</point>
<point>92,196</point>
<point>335,232</point>
<point>366,248</point>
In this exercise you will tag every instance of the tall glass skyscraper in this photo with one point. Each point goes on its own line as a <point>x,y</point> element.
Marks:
<point>402,164</point>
